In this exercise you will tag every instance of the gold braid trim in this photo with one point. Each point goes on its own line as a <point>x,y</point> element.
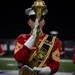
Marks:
<point>56,55</point>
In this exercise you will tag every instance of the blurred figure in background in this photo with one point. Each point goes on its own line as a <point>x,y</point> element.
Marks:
<point>1,51</point>
<point>73,59</point>
<point>73,52</point>
<point>55,33</point>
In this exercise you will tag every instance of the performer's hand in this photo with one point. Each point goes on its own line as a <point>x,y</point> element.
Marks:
<point>35,27</point>
<point>36,24</point>
<point>28,68</point>
<point>30,42</point>
<point>42,71</point>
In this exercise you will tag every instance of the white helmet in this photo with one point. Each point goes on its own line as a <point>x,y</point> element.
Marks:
<point>53,32</point>
<point>30,11</point>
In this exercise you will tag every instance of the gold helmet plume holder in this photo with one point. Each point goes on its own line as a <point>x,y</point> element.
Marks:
<point>39,7</point>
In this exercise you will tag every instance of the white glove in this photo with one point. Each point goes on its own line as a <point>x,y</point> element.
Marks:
<point>30,42</point>
<point>36,24</point>
<point>43,71</point>
<point>28,68</point>
<point>40,71</point>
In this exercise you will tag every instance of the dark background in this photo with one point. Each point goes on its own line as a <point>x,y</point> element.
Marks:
<point>60,17</point>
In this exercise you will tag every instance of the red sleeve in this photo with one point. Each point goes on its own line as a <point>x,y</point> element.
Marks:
<point>60,46</point>
<point>54,66</point>
<point>1,50</point>
<point>21,52</point>
<point>74,58</point>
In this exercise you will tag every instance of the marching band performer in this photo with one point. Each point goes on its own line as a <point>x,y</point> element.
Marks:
<point>26,45</point>
<point>55,33</point>
<point>1,51</point>
<point>73,52</point>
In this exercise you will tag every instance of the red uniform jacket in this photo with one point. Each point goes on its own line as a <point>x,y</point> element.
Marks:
<point>1,50</point>
<point>22,53</point>
<point>73,54</point>
<point>74,58</point>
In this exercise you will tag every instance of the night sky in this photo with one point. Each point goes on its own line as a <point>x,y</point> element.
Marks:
<point>60,17</point>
